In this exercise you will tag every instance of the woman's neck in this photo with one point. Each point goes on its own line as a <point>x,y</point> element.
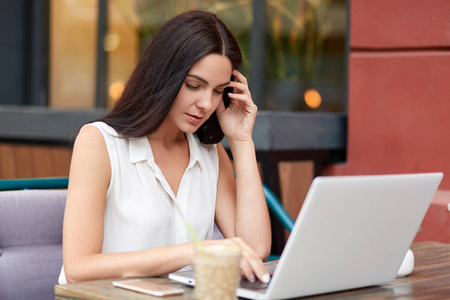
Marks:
<point>167,136</point>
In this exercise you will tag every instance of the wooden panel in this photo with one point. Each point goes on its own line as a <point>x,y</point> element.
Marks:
<point>23,161</point>
<point>28,161</point>
<point>295,179</point>
<point>7,168</point>
<point>388,24</point>
<point>398,114</point>
<point>61,161</point>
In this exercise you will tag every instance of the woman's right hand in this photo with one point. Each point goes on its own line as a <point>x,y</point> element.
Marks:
<point>237,120</point>
<point>251,264</point>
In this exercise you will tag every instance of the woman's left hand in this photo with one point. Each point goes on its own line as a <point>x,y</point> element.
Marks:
<point>237,120</point>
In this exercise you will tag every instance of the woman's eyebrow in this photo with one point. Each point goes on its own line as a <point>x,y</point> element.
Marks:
<point>205,81</point>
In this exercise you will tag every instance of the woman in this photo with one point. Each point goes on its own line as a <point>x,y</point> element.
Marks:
<point>153,163</point>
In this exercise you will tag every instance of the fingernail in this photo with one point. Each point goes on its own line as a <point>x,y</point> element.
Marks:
<point>266,278</point>
<point>252,278</point>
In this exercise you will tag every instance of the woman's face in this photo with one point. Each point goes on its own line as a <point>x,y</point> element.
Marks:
<point>200,93</point>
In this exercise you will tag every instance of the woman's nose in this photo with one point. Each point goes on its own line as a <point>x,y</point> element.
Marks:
<point>205,102</point>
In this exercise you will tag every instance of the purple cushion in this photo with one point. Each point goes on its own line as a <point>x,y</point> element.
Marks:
<point>30,243</point>
<point>30,272</point>
<point>31,217</point>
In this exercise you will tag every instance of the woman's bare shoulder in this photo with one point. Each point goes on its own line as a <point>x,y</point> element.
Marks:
<point>89,131</point>
<point>90,151</point>
<point>91,137</point>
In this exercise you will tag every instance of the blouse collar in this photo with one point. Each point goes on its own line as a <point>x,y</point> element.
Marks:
<point>140,150</point>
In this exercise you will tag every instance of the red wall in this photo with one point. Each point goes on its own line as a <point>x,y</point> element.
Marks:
<point>399,24</point>
<point>398,113</point>
<point>399,90</point>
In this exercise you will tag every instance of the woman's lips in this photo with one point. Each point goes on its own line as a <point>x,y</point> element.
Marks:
<point>195,119</point>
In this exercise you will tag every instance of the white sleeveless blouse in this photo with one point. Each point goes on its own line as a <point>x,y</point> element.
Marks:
<point>141,210</point>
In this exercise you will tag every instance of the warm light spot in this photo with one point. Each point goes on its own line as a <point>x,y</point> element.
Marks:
<point>312,98</point>
<point>116,89</point>
<point>111,42</point>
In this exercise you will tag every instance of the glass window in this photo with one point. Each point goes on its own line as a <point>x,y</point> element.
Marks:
<point>73,44</point>
<point>121,45</point>
<point>304,48</point>
<point>132,24</point>
<point>305,55</point>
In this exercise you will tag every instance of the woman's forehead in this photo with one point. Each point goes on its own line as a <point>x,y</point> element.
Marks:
<point>215,69</point>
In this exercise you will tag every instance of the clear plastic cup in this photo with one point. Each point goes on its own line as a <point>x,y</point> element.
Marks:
<point>216,272</point>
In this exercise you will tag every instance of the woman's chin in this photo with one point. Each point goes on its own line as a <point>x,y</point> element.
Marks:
<point>190,129</point>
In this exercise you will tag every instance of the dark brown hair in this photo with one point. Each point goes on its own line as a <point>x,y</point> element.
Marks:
<point>162,69</point>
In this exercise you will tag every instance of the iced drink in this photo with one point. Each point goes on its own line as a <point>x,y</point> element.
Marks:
<point>216,272</point>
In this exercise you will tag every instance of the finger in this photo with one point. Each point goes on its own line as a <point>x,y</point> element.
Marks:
<point>253,260</point>
<point>244,266</point>
<point>240,86</point>
<point>257,266</point>
<point>247,270</point>
<point>238,75</point>
<point>240,97</point>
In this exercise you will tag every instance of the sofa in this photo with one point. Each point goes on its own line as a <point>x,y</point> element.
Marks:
<point>31,224</point>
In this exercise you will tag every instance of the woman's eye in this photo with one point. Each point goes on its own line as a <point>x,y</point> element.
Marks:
<point>218,92</point>
<point>191,86</point>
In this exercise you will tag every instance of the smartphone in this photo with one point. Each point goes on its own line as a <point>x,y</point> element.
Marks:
<point>147,287</point>
<point>225,97</point>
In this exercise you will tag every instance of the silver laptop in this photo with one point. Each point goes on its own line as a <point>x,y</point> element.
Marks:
<point>352,232</point>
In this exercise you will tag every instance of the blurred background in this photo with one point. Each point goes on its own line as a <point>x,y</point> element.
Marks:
<point>65,62</point>
<point>343,87</point>
<point>78,53</point>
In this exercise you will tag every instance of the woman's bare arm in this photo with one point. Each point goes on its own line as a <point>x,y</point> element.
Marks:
<point>241,206</point>
<point>84,218</point>
<point>83,222</point>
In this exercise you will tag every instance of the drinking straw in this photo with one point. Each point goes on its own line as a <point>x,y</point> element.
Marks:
<point>193,235</point>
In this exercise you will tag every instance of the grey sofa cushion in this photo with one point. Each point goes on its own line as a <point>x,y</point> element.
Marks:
<point>30,272</point>
<point>30,243</point>
<point>31,217</point>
